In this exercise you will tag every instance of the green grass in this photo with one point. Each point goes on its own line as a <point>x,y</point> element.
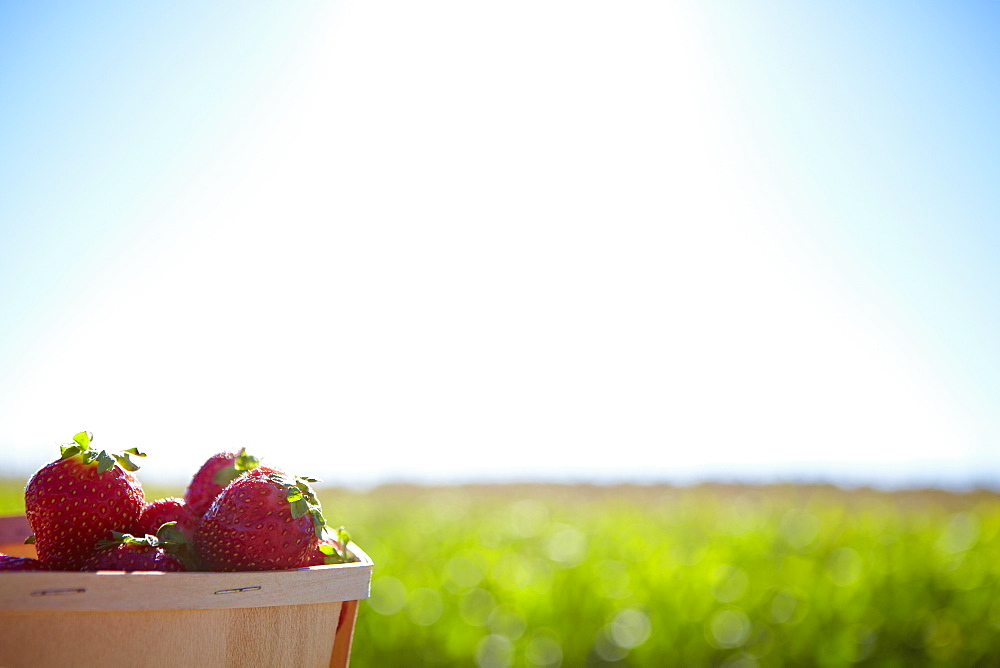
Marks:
<point>652,576</point>
<point>775,576</point>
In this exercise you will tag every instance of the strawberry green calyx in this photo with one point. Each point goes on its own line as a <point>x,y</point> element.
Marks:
<point>242,463</point>
<point>171,540</point>
<point>168,538</point>
<point>168,534</point>
<point>105,460</point>
<point>302,499</point>
<point>119,538</point>
<point>126,552</point>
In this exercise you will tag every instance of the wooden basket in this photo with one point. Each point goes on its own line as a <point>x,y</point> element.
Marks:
<point>299,617</point>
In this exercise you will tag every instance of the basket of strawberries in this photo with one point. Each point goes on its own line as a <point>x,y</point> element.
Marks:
<point>242,571</point>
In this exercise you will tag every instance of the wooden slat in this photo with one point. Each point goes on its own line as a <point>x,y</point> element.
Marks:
<point>341,654</point>
<point>274,636</point>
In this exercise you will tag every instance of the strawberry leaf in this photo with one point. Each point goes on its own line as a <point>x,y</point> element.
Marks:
<point>169,534</point>
<point>225,475</point>
<point>124,461</point>
<point>117,538</point>
<point>302,491</point>
<point>171,540</point>
<point>245,462</point>
<point>80,444</point>
<point>106,462</point>
<point>299,507</point>
<point>242,463</point>
<point>318,522</point>
<point>69,450</point>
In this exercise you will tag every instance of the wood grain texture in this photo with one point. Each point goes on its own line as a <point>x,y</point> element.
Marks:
<point>341,654</point>
<point>249,637</point>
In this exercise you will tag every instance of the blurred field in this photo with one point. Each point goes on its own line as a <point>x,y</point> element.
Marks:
<point>549,575</point>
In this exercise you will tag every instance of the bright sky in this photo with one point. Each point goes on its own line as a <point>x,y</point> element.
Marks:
<point>449,240</point>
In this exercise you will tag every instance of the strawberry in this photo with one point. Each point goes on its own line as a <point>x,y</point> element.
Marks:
<point>74,502</point>
<point>125,552</point>
<point>9,563</point>
<point>213,476</point>
<point>263,520</point>
<point>157,513</point>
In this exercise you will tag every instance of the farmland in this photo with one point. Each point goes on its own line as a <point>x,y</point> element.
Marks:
<point>711,575</point>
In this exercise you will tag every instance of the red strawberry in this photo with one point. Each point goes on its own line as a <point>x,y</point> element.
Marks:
<point>9,563</point>
<point>125,552</point>
<point>213,476</point>
<point>264,520</point>
<point>78,499</point>
<point>157,513</point>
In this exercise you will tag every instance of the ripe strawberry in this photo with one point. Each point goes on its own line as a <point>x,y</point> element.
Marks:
<point>74,502</point>
<point>125,552</point>
<point>264,520</point>
<point>213,476</point>
<point>9,563</point>
<point>157,513</point>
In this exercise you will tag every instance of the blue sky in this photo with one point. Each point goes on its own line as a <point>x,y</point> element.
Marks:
<point>903,199</point>
<point>877,128</point>
<point>522,240</point>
